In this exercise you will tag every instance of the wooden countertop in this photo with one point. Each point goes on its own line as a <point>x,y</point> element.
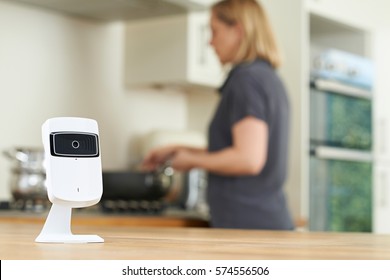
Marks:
<point>126,242</point>
<point>104,220</point>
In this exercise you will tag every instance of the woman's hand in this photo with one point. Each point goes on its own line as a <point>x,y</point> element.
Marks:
<point>182,160</point>
<point>157,157</point>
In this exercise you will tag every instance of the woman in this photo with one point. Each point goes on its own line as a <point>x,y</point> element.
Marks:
<point>248,137</point>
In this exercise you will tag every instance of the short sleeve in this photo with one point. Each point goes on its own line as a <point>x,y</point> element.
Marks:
<point>247,98</point>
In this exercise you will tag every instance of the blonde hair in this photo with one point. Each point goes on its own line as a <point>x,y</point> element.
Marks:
<point>258,40</point>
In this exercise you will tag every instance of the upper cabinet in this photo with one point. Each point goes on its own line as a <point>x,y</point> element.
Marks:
<point>167,41</point>
<point>171,50</point>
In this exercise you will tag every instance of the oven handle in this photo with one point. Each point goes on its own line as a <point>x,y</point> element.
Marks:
<point>335,87</point>
<point>332,153</point>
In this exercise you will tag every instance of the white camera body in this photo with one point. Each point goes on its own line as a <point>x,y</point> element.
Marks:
<point>72,161</point>
<point>73,175</point>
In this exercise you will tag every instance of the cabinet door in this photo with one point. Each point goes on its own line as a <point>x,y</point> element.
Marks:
<point>204,67</point>
<point>172,50</point>
<point>156,50</point>
<point>381,56</point>
<point>381,211</point>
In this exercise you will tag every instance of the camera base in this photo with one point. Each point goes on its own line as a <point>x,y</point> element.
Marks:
<point>57,228</point>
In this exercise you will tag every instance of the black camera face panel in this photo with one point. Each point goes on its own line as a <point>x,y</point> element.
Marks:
<point>74,144</point>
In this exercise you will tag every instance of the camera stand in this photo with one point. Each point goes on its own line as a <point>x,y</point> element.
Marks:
<point>57,228</point>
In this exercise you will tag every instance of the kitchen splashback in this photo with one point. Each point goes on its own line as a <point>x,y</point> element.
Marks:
<point>109,10</point>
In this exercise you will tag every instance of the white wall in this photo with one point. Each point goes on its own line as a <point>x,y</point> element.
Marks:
<point>201,109</point>
<point>53,65</point>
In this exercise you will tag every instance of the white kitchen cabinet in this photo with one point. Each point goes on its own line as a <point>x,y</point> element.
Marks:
<point>381,198</point>
<point>381,56</point>
<point>171,50</point>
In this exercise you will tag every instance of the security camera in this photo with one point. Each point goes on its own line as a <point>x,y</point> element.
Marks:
<point>72,161</point>
<point>73,174</point>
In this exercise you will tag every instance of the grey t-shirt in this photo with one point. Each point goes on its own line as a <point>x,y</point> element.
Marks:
<point>251,202</point>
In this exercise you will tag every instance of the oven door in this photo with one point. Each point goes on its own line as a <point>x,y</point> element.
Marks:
<point>340,120</point>
<point>340,190</point>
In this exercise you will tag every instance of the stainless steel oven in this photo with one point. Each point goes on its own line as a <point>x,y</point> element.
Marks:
<point>341,165</point>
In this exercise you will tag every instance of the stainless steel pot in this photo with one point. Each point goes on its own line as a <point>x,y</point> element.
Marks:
<point>28,176</point>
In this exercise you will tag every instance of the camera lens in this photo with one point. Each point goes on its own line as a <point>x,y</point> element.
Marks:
<point>71,144</point>
<point>75,144</point>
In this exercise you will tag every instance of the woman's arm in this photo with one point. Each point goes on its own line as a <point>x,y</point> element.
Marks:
<point>160,155</point>
<point>246,156</point>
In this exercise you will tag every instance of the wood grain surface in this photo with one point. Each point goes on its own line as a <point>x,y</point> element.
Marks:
<point>126,243</point>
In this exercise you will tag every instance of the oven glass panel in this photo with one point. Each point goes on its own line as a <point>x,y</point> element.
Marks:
<point>340,121</point>
<point>340,195</point>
